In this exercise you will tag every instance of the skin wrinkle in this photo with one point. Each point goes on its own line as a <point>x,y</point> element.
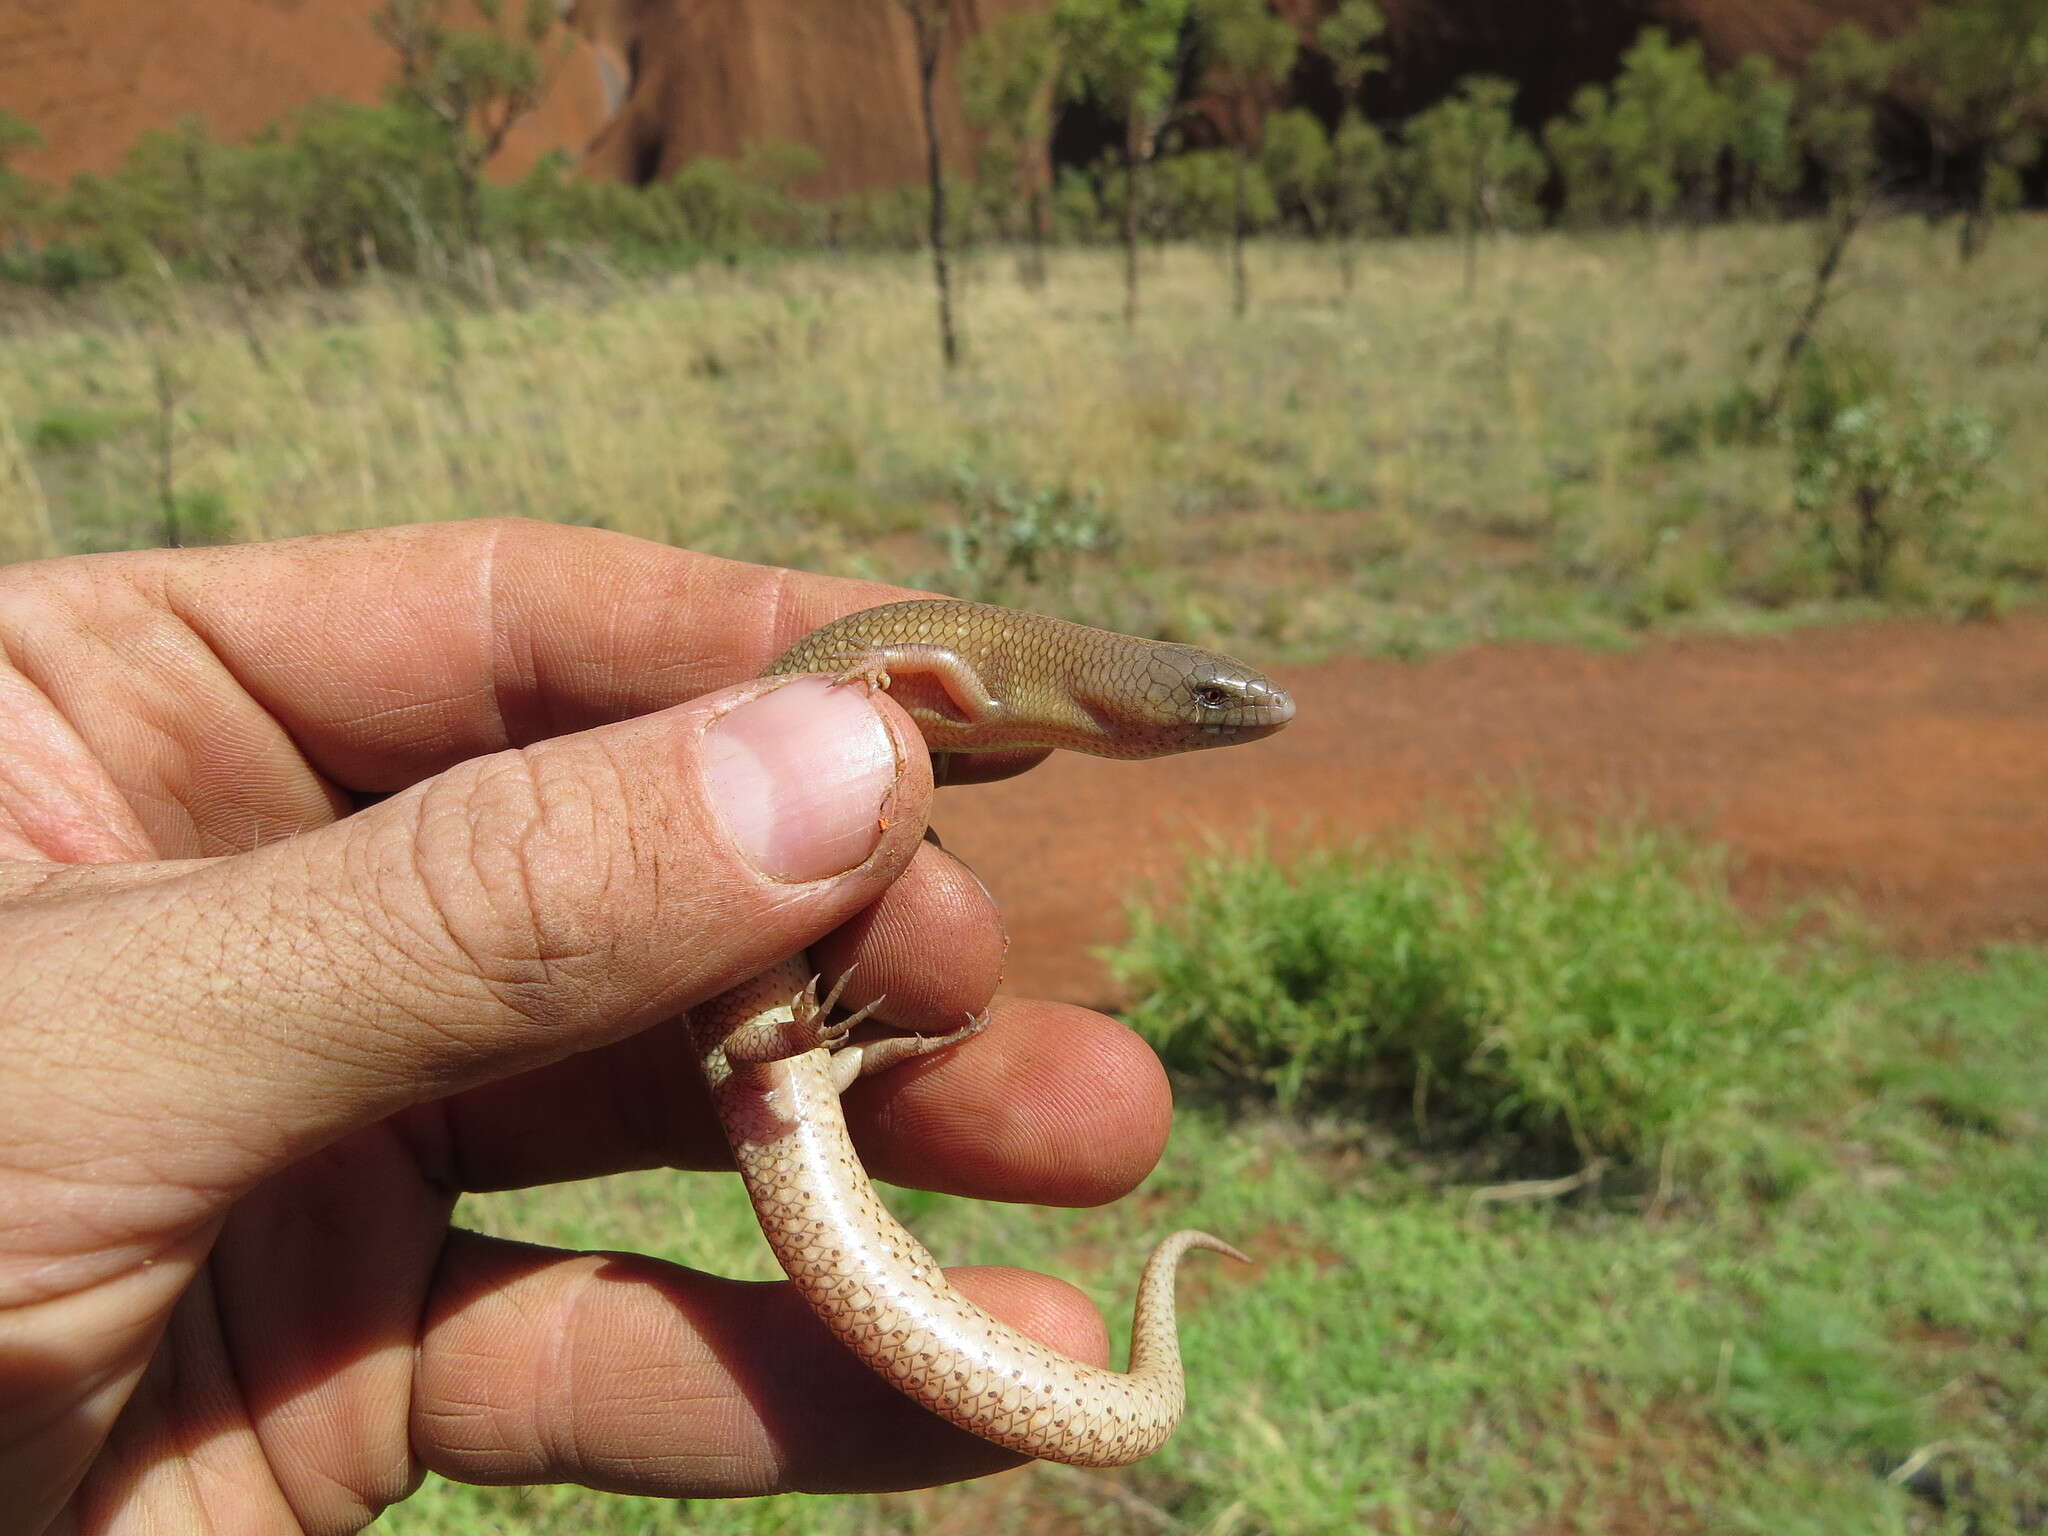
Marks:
<point>103,794</point>
<point>327,972</point>
<point>322,990</point>
<point>423,909</point>
<point>331,797</point>
<point>500,937</point>
<point>573,812</point>
<point>138,711</point>
<point>88,988</point>
<point>560,801</point>
<point>278,688</point>
<point>496,640</point>
<point>50,1275</point>
<point>227,1391</point>
<point>559,1363</point>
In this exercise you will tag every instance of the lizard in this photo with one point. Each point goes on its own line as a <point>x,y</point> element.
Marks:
<point>974,678</point>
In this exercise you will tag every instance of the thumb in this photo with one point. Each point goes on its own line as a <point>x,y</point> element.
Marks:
<point>511,911</point>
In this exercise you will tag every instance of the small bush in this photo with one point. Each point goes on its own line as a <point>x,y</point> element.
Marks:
<point>200,517</point>
<point>59,267</point>
<point>1596,1000</point>
<point>1883,475</point>
<point>1012,539</point>
<point>63,427</point>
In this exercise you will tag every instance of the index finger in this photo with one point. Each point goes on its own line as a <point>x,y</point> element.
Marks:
<point>391,654</point>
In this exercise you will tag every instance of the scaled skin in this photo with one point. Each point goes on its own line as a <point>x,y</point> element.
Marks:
<point>975,679</point>
<point>259,1040</point>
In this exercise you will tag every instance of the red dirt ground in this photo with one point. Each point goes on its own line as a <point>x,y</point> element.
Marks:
<point>1901,764</point>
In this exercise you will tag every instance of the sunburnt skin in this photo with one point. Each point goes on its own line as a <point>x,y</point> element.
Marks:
<point>975,679</point>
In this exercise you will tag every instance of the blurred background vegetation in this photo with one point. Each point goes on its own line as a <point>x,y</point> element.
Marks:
<point>1697,352</point>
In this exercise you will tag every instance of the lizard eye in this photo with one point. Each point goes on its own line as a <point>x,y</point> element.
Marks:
<point>1209,696</point>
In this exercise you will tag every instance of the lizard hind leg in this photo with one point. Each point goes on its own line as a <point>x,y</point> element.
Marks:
<point>893,1050</point>
<point>809,1026</point>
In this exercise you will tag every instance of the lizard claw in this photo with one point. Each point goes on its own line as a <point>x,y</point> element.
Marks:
<point>815,1015</point>
<point>870,675</point>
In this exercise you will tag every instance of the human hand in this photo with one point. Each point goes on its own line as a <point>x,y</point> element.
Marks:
<point>342,875</point>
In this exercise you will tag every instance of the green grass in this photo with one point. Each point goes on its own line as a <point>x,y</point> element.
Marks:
<point>1397,471</point>
<point>1863,1349</point>
<point>1561,998</point>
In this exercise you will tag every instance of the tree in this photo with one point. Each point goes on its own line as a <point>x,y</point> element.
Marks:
<point>1470,169</point>
<point>1203,193</point>
<point>1763,150</point>
<point>1295,158</point>
<point>1836,111</point>
<point>1648,145</point>
<point>1836,119</point>
<point>723,206</point>
<point>1124,54</point>
<point>474,84</point>
<point>1360,161</point>
<point>928,30</point>
<point>1358,153</point>
<point>373,189</point>
<point>1675,122</point>
<point>1007,78</point>
<point>1979,71</point>
<point>1253,50</point>
<point>1331,183</point>
<point>1585,145</point>
<point>1347,38</point>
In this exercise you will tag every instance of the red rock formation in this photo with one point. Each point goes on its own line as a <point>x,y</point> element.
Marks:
<point>643,85</point>
<point>839,75</point>
<point>95,75</point>
<point>1784,29</point>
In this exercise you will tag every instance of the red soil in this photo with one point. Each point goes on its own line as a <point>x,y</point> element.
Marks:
<point>1903,765</point>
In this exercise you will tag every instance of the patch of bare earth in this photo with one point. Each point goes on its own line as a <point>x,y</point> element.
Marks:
<point>1902,765</point>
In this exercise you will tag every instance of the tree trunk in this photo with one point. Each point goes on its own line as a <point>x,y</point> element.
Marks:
<point>469,197</point>
<point>935,171</point>
<point>1034,213</point>
<point>1844,221</point>
<point>1240,287</point>
<point>166,439</point>
<point>1130,230</point>
<point>1473,213</point>
<point>1976,219</point>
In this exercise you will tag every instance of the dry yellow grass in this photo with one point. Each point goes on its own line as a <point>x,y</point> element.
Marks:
<point>1398,468</point>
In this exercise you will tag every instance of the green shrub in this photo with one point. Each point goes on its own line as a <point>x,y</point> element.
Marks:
<point>1011,539</point>
<point>1884,475</point>
<point>64,427</point>
<point>1591,998</point>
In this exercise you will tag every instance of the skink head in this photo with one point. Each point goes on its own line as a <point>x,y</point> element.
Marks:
<point>1196,698</point>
